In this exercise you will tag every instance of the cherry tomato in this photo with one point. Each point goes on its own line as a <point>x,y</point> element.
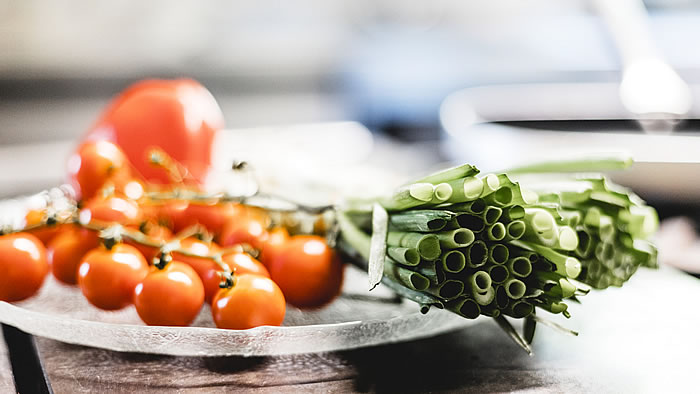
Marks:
<point>93,164</point>
<point>66,250</point>
<point>238,262</point>
<point>277,238</point>
<point>205,268</point>
<point>179,116</point>
<point>253,301</point>
<point>45,233</point>
<point>23,266</point>
<point>308,271</point>
<point>246,228</point>
<point>172,296</point>
<point>167,213</point>
<point>157,233</point>
<point>243,263</point>
<point>112,209</point>
<point>125,184</point>
<point>108,277</point>
<point>211,216</point>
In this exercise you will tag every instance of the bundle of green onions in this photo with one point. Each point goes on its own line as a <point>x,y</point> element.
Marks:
<point>488,245</point>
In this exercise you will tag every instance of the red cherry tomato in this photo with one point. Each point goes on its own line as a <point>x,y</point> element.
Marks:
<point>44,233</point>
<point>157,233</point>
<point>128,186</point>
<point>23,266</point>
<point>65,251</point>
<point>205,268</point>
<point>167,213</point>
<point>250,229</point>
<point>112,209</point>
<point>108,278</point>
<point>308,271</point>
<point>179,116</point>
<point>238,262</point>
<point>243,263</point>
<point>93,164</point>
<point>211,216</point>
<point>171,296</point>
<point>253,301</point>
<point>277,238</point>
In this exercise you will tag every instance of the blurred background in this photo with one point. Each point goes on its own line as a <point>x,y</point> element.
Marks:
<point>387,64</point>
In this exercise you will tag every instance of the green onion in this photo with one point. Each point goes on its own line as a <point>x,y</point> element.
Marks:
<point>519,309</point>
<point>496,232</point>
<point>498,274</point>
<point>567,239</point>
<point>465,189</point>
<point>515,288</point>
<point>498,253</point>
<point>479,282</point>
<point>529,327</point>
<point>554,307</point>
<point>441,193</point>
<point>464,307</point>
<point>585,244</point>
<point>502,299</point>
<point>409,196</point>
<point>491,214</point>
<point>468,221</point>
<point>405,256</point>
<point>453,239</point>
<point>453,261</point>
<point>593,163</point>
<point>428,245</point>
<point>501,197</point>
<point>484,298</point>
<point>432,271</point>
<point>411,279</point>
<point>449,174</point>
<point>514,212</point>
<point>447,290</point>
<point>475,207</point>
<point>565,265</point>
<point>425,220</point>
<point>491,184</point>
<point>556,284</point>
<point>515,230</point>
<point>492,246</point>
<point>519,266</point>
<point>491,309</point>
<point>476,254</point>
<point>539,220</point>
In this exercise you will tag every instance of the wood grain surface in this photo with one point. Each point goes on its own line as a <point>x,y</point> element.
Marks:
<point>479,359</point>
<point>7,384</point>
<point>622,348</point>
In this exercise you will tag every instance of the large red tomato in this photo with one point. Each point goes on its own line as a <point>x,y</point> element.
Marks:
<point>179,116</point>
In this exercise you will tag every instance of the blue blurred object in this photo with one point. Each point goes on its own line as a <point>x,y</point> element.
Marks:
<point>396,77</point>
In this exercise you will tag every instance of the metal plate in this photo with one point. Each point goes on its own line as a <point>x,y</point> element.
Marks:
<point>356,319</point>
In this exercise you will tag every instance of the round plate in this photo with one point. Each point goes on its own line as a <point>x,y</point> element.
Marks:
<point>357,318</point>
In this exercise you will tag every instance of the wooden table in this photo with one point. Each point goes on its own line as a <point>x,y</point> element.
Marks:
<point>6,382</point>
<point>642,338</point>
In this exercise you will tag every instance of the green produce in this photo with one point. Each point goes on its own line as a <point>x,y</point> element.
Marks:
<point>508,244</point>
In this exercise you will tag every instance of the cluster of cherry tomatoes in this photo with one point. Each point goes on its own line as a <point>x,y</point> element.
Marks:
<point>170,255</point>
